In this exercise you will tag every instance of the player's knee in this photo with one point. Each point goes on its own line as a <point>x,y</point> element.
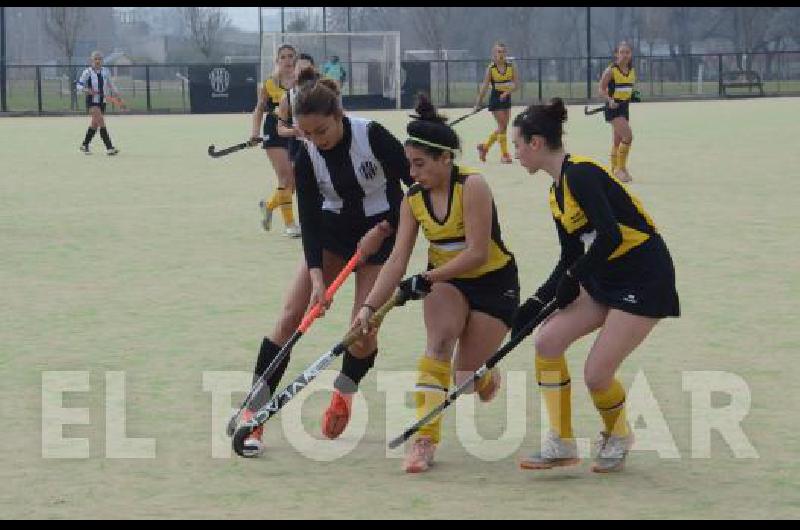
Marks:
<point>547,344</point>
<point>441,346</point>
<point>597,380</point>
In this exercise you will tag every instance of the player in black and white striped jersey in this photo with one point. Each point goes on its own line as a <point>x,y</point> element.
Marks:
<point>96,82</point>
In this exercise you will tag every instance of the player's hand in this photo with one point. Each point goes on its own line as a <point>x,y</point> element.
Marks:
<point>318,296</point>
<point>415,287</point>
<point>612,104</point>
<point>526,312</point>
<point>505,95</point>
<point>254,140</point>
<point>361,321</point>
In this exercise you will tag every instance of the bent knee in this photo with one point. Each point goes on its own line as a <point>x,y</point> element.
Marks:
<point>548,345</point>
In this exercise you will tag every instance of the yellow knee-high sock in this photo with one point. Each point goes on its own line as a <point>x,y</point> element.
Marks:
<point>276,199</point>
<point>610,404</point>
<point>492,139</point>
<point>554,383</point>
<point>622,155</point>
<point>614,159</point>
<point>286,208</point>
<point>432,383</point>
<point>484,381</point>
<point>502,139</point>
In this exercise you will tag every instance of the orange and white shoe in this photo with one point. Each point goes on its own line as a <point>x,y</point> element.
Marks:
<point>337,415</point>
<point>490,391</point>
<point>506,159</point>
<point>420,455</point>
<point>482,150</point>
<point>253,445</point>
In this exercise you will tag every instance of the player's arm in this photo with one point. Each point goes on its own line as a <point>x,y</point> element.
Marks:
<point>484,86</point>
<point>605,79</point>
<point>477,229</point>
<point>394,268</point>
<point>258,112</point>
<point>81,85</point>
<point>571,250</point>
<point>283,118</point>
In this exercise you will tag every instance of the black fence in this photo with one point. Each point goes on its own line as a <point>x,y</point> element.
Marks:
<point>165,88</point>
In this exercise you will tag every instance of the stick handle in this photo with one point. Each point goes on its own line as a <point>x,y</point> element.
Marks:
<point>330,291</point>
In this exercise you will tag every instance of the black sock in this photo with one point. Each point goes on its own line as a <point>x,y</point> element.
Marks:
<point>106,138</point>
<point>89,135</point>
<point>353,371</point>
<point>269,350</point>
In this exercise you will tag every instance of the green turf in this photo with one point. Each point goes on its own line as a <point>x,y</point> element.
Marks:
<point>154,263</point>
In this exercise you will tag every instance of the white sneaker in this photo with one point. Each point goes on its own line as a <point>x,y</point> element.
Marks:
<point>612,451</point>
<point>293,231</point>
<point>85,149</point>
<point>113,151</point>
<point>555,452</point>
<point>266,214</point>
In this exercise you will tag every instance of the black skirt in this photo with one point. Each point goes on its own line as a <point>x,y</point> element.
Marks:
<point>642,282</point>
<point>495,103</point>
<point>341,234</point>
<point>621,110</point>
<point>271,137</point>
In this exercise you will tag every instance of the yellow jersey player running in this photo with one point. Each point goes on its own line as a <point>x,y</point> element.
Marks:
<point>616,86</point>
<point>502,76</point>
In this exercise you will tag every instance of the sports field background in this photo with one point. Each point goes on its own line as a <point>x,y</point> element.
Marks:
<point>154,263</point>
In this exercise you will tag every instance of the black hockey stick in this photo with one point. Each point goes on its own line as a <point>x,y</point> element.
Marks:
<point>488,365</point>
<point>465,116</point>
<point>295,387</point>
<point>232,149</point>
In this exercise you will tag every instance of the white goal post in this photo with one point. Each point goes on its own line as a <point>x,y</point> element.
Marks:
<point>371,60</point>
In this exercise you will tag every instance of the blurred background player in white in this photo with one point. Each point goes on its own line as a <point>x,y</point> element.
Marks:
<point>270,95</point>
<point>333,69</point>
<point>502,76</point>
<point>96,82</point>
<point>287,128</point>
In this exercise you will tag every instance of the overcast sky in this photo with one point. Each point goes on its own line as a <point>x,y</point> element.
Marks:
<point>245,18</point>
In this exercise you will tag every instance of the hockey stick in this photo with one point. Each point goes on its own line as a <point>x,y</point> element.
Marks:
<point>300,382</point>
<point>260,385</point>
<point>589,111</point>
<point>232,149</point>
<point>488,365</point>
<point>465,116</point>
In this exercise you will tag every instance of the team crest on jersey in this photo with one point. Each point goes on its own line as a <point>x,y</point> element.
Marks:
<point>368,169</point>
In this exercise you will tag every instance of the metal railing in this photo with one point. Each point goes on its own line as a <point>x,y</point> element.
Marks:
<point>164,88</point>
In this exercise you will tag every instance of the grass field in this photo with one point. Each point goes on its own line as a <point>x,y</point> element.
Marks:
<point>153,263</point>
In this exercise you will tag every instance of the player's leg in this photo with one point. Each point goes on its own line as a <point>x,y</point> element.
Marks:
<point>482,336</point>
<point>282,197</point>
<point>94,112</point>
<point>101,122</point>
<point>446,312</point>
<point>622,130</point>
<point>502,138</point>
<point>621,333</point>
<point>357,360</point>
<point>483,148</point>
<point>552,339</point>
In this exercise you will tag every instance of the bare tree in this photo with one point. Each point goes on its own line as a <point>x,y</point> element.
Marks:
<point>63,25</point>
<point>431,24</point>
<point>205,25</point>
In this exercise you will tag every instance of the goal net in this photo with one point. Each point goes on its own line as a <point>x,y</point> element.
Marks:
<point>370,60</point>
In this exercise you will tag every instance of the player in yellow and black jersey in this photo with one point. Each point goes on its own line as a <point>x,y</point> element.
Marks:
<point>502,77</point>
<point>277,147</point>
<point>615,274</point>
<point>617,88</point>
<point>471,276</point>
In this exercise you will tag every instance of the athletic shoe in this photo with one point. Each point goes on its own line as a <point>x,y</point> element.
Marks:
<point>482,150</point>
<point>253,446</point>
<point>612,451</point>
<point>113,151</point>
<point>555,452</point>
<point>266,215</point>
<point>420,455</point>
<point>293,231</point>
<point>623,175</point>
<point>85,149</point>
<point>506,159</point>
<point>337,415</point>
<point>490,391</point>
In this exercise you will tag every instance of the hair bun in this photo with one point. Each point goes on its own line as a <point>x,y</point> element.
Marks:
<point>557,110</point>
<point>426,111</point>
<point>308,73</point>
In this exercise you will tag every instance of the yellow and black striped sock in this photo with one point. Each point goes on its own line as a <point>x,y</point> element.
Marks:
<point>554,383</point>
<point>490,142</point>
<point>433,381</point>
<point>502,139</point>
<point>622,155</point>
<point>610,404</point>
